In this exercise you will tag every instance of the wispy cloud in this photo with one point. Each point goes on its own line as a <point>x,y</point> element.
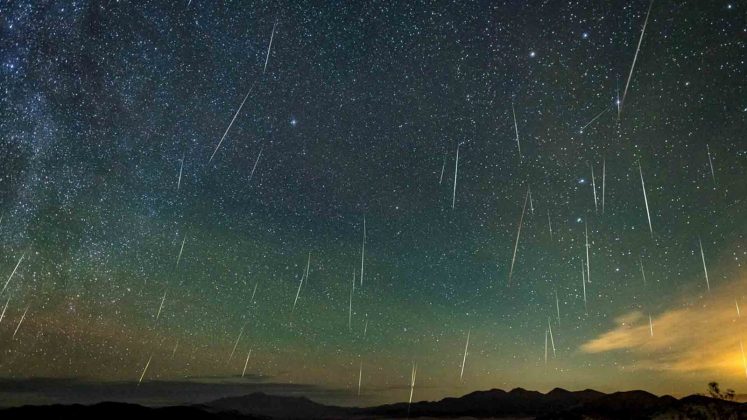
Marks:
<point>695,336</point>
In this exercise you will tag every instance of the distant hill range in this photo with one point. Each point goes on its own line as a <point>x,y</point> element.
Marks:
<point>515,404</point>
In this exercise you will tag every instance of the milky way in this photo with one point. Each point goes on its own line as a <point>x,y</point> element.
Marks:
<point>148,243</point>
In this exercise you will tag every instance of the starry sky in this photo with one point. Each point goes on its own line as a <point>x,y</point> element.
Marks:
<point>129,255</point>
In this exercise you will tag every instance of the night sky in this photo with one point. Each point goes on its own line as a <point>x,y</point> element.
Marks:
<point>110,113</point>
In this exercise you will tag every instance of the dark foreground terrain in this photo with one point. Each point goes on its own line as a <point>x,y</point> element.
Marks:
<point>515,404</point>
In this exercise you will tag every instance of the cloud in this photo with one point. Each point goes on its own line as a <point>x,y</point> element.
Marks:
<point>695,337</point>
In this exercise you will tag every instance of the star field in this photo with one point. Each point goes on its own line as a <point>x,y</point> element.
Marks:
<point>111,112</point>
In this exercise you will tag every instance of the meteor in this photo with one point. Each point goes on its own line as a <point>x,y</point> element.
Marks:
<point>464,359</point>
<point>604,179</point>
<point>705,269</point>
<point>594,188</point>
<point>516,128</point>
<point>412,386</point>
<point>179,181</point>
<point>635,57</point>
<point>241,332</point>
<point>303,276</point>
<point>363,248</point>
<point>246,362</point>
<point>231,123</point>
<point>144,370</point>
<point>583,283</point>
<point>2,315</point>
<point>173,352</point>
<point>18,327</point>
<point>254,292</point>
<point>360,377</point>
<point>518,234</point>
<point>267,57</point>
<point>650,325</point>
<point>456,170</point>
<point>710,162</point>
<point>350,309</point>
<point>11,274</point>
<point>181,249</point>
<point>552,340</point>
<point>443,166</point>
<point>251,175</point>
<point>645,200</point>
<point>163,299</point>
<point>588,269</point>
<point>581,131</point>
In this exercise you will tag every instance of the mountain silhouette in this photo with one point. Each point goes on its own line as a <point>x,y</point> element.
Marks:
<point>495,403</point>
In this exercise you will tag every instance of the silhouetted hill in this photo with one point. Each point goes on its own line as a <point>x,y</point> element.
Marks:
<point>115,411</point>
<point>495,403</point>
<point>277,407</point>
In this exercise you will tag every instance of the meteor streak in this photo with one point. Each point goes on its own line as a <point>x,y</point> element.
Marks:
<point>518,234</point>
<point>552,340</point>
<point>594,188</point>
<point>181,249</point>
<point>267,57</point>
<point>443,166</point>
<point>363,249</point>
<point>2,315</point>
<point>464,359</point>
<point>231,123</point>
<point>350,309</point>
<point>710,162</point>
<point>650,325</point>
<point>516,128</point>
<point>360,377</point>
<point>645,200</point>
<point>635,57</point>
<point>581,131</point>
<point>604,179</point>
<point>11,274</point>
<point>583,284</point>
<point>251,175</point>
<point>18,327</point>
<point>144,370</point>
<point>705,269</point>
<point>246,363</point>
<point>588,269</point>
<point>179,181</point>
<point>163,299</point>
<point>241,332</point>
<point>456,170</point>
<point>412,386</point>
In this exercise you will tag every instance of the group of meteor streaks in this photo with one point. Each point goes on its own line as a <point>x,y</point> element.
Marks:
<point>147,241</point>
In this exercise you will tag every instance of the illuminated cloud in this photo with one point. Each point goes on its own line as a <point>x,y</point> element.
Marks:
<point>695,337</point>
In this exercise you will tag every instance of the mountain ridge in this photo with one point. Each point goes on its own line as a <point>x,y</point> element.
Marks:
<point>558,403</point>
